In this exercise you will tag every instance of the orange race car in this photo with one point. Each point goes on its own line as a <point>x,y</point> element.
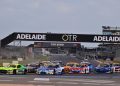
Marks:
<point>76,68</point>
<point>69,65</point>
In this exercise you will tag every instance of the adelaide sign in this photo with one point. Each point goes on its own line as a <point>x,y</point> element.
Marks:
<point>66,37</point>
<point>106,39</point>
<point>60,37</point>
<point>31,37</point>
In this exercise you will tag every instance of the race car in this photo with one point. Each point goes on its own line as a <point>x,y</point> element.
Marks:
<point>76,68</point>
<point>104,68</point>
<point>58,70</point>
<point>44,70</point>
<point>116,67</point>
<point>32,68</point>
<point>88,64</point>
<point>69,65</point>
<point>82,69</point>
<point>14,69</point>
<point>51,70</point>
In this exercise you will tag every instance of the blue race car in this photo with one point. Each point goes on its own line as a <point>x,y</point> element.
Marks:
<point>51,69</point>
<point>105,68</point>
<point>43,70</point>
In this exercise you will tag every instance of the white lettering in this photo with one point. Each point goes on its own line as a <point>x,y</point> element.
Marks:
<point>65,38</point>
<point>74,37</point>
<point>22,36</point>
<point>27,36</point>
<point>95,38</point>
<point>69,37</point>
<point>18,36</point>
<point>111,39</point>
<point>106,39</point>
<point>117,38</point>
<point>99,38</point>
<point>31,36</point>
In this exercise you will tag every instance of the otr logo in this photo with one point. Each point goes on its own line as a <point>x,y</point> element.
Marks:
<point>69,37</point>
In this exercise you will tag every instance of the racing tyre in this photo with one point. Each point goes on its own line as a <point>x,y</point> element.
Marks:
<point>25,72</point>
<point>54,72</point>
<point>111,72</point>
<point>85,71</point>
<point>14,72</point>
<point>62,72</point>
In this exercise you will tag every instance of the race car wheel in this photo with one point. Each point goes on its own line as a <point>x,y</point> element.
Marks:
<point>111,71</point>
<point>85,71</point>
<point>14,72</point>
<point>25,71</point>
<point>54,72</point>
<point>62,71</point>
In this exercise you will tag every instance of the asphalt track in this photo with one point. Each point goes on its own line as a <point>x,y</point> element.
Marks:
<point>60,80</point>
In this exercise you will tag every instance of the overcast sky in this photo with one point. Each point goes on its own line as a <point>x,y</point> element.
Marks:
<point>58,16</point>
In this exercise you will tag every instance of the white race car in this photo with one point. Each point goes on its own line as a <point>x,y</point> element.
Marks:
<point>51,69</point>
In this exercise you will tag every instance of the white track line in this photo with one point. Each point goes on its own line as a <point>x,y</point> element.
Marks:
<point>41,79</point>
<point>44,82</point>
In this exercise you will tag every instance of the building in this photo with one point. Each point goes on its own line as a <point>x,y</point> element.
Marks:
<point>111,50</point>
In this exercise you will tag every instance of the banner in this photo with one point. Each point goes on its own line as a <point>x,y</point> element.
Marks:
<point>67,37</point>
<point>94,38</point>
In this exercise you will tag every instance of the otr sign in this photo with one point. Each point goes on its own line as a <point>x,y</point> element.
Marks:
<point>69,38</point>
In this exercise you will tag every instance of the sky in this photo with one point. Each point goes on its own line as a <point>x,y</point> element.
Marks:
<point>58,16</point>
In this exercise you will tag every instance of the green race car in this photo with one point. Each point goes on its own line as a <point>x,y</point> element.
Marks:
<point>14,69</point>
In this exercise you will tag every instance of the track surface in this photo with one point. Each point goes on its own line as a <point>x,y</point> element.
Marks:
<point>64,80</point>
